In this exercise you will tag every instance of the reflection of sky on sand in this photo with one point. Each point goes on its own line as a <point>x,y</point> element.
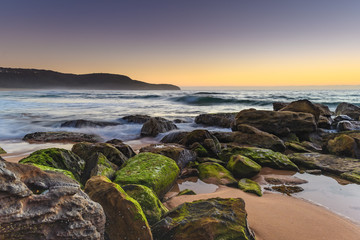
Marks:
<point>194,184</point>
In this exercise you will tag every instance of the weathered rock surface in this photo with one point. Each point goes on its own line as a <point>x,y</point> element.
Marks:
<point>215,173</point>
<point>250,186</point>
<point>243,167</point>
<point>39,205</point>
<point>349,109</point>
<point>304,106</point>
<point>156,125</point>
<point>81,123</point>
<point>137,118</point>
<point>288,190</point>
<point>203,137</point>
<point>122,147</point>
<point>283,179</point>
<point>345,145</point>
<point>124,216</point>
<point>149,202</point>
<point>214,218</point>
<point>62,137</point>
<point>57,158</point>
<point>324,110</point>
<point>176,152</point>
<point>174,137</point>
<point>152,170</point>
<point>346,125</point>
<point>216,119</point>
<point>280,123</point>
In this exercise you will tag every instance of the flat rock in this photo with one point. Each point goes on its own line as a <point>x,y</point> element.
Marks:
<point>283,179</point>
<point>216,119</point>
<point>348,109</point>
<point>60,137</point>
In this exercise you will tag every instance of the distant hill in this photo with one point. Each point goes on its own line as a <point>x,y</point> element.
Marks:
<point>45,79</point>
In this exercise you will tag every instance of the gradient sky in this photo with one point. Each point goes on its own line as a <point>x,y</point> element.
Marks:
<point>188,42</point>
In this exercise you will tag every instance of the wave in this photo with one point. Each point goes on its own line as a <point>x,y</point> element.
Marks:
<point>208,93</point>
<point>207,101</point>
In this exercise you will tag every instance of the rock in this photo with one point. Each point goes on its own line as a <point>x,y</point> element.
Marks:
<point>156,125</point>
<point>216,119</point>
<point>264,157</point>
<point>174,137</point>
<point>57,170</point>
<point>2,151</point>
<point>152,170</point>
<point>345,145</point>
<point>303,146</point>
<point>314,171</point>
<point>137,118</point>
<point>215,174</point>
<point>250,186</point>
<point>280,123</point>
<point>85,150</point>
<point>186,192</point>
<point>324,110</point>
<point>122,147</point>
<point>214,218</point>
<point>176,152</point>
<point>346,125</point>
<point>81,123</point>
<point>325,122</point>
<point>179,121</point>
<point>61,137</point>
<point>283,179</point>
<point>348,109</point>
<point>340,118</point>
<point>124,216</point>
<point>204,138</point>
<point>189,172</point>
<point>199,150</point>
<point>212,160</point>
<point>352,176</point>
<point>304,106</point>
<point>251,136</point>
<point>243,167</point>
<point>279,105</point>
<point>149,202</point>
<point>43,205</point>
<point>57,158</point>
<point>288,190</point>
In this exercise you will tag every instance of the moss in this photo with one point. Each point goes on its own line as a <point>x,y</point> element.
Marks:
<point>104,167</point>
<point>296,147</point>
<point>2,151</point>
<point>186,192</point>
<point>200,150</point>
<point>351,176</point>
<point>152,170</point>
<point>250,186</point>
<point>46,168</point>
<point>243,167</point>
<point>215,173</point>
<point>208,159</point>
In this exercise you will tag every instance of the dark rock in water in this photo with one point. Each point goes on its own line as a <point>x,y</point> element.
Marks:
<point>325,122</point>
<point>280,123</point>
<point>214,218</point>
<point>57,158</point>
<point>304,106</point>
<point>174,137</point>
<point>81,123</point>
<point>61,137</point>
<point>243,167</point>
<point>124,216</point>
<point>347,145</point>
<point>288,190</point>
<point>279,105</point>
<point>176,152</point>
<point>122,147</point>
<point>348,109</point>
<point>216,119</point>
<point>179,121</point>
<point>346,125</point>
<point>324,110</point>
<point>283,179</point>
<point>137,118</point>
<point>214,173</point>
<point>39,205</point>
<point>250,186</point>
<point>86,150</point>
<point>156,125</point>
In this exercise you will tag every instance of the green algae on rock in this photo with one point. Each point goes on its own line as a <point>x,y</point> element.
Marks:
<point>57,158</point>
<point>215,173</point>
<point>243,167</point>
<point>186,192</point>
<point>215,218</point>
<point>149,169</point>
<point>351,176</point>
<point>149,202</point>
<point>51,169</point>
<point>250,186</point>
<point>2,151</point>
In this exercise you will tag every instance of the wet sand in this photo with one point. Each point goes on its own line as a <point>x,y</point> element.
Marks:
<point>279,217</point>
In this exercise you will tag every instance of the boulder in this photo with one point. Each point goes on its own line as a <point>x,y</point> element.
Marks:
<point>250,186</point>
<point>174,137</point>
<point>43,205</point>
<point>85,150</point>
<point>346,125</point>
<point>124,216</point>
<point>264,157</point>
<point>205,139</point>
<point>176,152</point>
<point>57,170</point>
<point>243,167</point>
<point>304,106</point>
<point>283,179</point>
<point>156,125</point>
<point>344,145</point>
<point>324,122</point>
<point>288,190</point>
<point>214,173</point>
<point>149,202</point>
<point>216,119</point>
<point>279,105</point>
<point>324,110</point>
<point>348,109</point>
<point>303,146</point>
<point>61,137</point>
<point>137,118</point>
<point>213,160</point>
<point>122,147</point>
<point>81,123</point>
<point>214,218</point>
<point>280,123</point>
<point>152,170</point>
<point>57,158</point>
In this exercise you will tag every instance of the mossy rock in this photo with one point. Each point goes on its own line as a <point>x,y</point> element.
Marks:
<point>213,160</point>
<point>288,190</point>
<point>243,167</point>
<point>351,176</point>
<point>57,158</point>
<point>216,218</point>
<point>264,157</point>
<point>51,169</point>
<point>149,202</point>
<point>250,186</point>
<point>215,173</point>
<point>2,151</point>
<point>149,169</point>
<point>199,150</point>
<point>186,192</point>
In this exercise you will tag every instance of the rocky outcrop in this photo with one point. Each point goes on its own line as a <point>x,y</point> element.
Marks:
<point>61,137</point>
<point>40,205</point>
<point>304,106</point>
<point>214,218</point>
<point>202,141</point>
<point>216,119</point>
<point>124,216</point>
<point>81,123</point>
<point>250,186</point>
<point>176,152</point>
<point>345,145</point>
<point>348,109</point>
<point>214,173</point>
<point>156,125</point>
<point>122,147</point>
<point>137,118</point>
<point>174,137</point>
<point>243,167</point>
<point>57,158</point>
<point>280,123</point>
<point>152,170</point>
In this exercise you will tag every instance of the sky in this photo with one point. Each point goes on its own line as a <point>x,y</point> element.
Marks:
<point>188,42</point>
